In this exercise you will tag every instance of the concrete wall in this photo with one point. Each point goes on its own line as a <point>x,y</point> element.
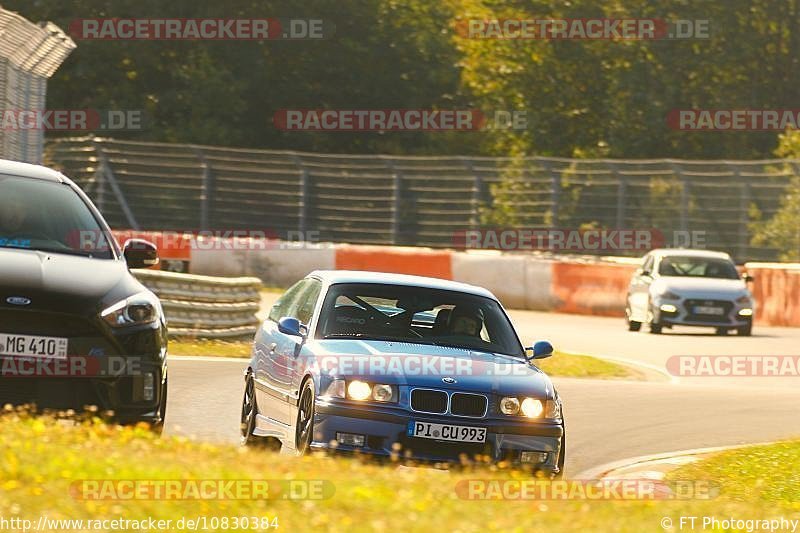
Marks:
<point>594,286</point>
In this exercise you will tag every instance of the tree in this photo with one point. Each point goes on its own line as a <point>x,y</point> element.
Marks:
<point>782,231</point>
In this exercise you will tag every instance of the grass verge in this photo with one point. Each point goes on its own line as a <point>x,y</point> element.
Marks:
<point>560,365</point>
<point>43,461</point>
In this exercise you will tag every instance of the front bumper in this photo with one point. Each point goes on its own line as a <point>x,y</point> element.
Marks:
<point>683,312</point>
<point>122,375</point>
<point>385,431</point>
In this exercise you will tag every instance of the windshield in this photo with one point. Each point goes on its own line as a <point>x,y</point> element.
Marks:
<point>419,315</point>
<point>50,217</point>
<point>698,267</point>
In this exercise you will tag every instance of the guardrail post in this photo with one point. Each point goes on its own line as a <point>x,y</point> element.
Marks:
<point>555,189</point>
<point>206,190</point>
<point>108,176</point>
<point>477,185</point>
<point>683,219</point>
<point>302,213</point>
<point>397,199</point>
<point>622,196</point>
<point>743,240</point>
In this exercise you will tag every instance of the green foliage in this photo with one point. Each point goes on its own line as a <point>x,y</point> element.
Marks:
<point>591,98</point>
<point>782,231</point>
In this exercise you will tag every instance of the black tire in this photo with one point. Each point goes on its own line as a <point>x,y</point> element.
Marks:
<point>158,427</point>
<point>249,410</point>
<point>634,326</point>
<point>745,331</point>
<point>562,458</point>
<point>304,427</point>
<point>722,331</point>
<point>654,327</point>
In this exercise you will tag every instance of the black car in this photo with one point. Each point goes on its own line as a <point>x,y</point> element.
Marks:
<point>76,328</point>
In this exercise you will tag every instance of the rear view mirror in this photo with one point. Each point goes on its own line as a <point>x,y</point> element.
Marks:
<point>747,278</point>
<point>140,253</point>
<point>541,350</point>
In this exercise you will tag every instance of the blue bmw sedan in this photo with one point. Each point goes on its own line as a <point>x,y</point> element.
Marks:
<point>400,367</point>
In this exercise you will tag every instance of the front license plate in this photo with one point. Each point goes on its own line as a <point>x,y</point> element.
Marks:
<point>426,430</point>
<point>33,346</point>
<point>703,310</point>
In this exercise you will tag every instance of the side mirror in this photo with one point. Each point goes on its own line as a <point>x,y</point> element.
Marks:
<point>748,278</point>
<point>541,350</point>
<point>140,253</point>
<point>291,326</point>
<point>647,273</point>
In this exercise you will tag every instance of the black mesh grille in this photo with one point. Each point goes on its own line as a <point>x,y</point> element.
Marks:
<point>428,401</point>
<point>468,404</point>
<point>45,323</point>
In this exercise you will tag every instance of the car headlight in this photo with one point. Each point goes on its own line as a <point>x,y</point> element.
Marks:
<point>361,390</point>
<point>531,407</point>
<point>336,389</point>
<point>140,309</point>
<point>509,405</point>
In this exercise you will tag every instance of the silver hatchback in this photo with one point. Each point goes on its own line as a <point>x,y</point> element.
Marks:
<point>690,288</point>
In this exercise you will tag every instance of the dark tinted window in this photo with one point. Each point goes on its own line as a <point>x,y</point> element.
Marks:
<point>697,267</point>
<point>48,216</point>
<point>417,315</point>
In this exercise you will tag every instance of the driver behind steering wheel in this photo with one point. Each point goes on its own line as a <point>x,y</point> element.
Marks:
<point>466,321</point>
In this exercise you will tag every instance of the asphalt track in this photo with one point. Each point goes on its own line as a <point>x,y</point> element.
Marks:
<point>607,420</point>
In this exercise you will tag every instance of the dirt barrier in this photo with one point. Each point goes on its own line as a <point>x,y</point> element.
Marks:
<point>592,286</point>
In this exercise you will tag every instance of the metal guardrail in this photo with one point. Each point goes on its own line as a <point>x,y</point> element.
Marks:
<point>417,201</point>
<point>29,54</point>
<point>205,306</point>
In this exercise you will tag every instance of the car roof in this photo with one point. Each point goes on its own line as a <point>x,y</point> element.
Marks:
<point>357,276</point>
<point>27,170</point>
<point>688,252</point>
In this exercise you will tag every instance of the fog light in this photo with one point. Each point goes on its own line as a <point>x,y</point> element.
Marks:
<point>533,457</point>
<point>350,439</point>
<point>668,308</point>
<point>746,312</point>
<point>148,387</point>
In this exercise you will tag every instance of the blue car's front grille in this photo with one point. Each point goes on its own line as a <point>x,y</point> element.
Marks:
<point>428,401</point>
<point>462,404</point>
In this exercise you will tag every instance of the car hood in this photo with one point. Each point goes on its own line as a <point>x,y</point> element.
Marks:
<point>419,365</point>
<point>702,287</point>
<point>63,283</point>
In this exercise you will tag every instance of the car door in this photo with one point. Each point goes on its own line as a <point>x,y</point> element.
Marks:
<point>273,370</point>
<point>639,290</point>
<point>302,359</point>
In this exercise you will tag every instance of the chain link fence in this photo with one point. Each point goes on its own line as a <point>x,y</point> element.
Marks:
<point>418,201</point>
<point>29,54</point>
